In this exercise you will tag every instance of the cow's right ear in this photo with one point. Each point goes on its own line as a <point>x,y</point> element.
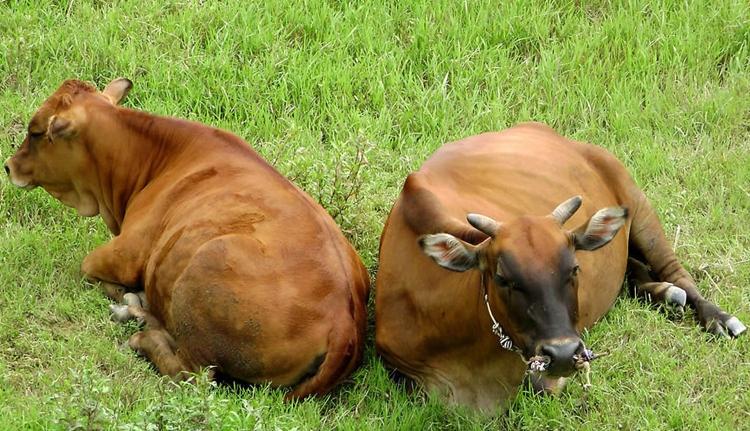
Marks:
<point>450,252</point>
<point>117,90</point>
<point>60,127</point>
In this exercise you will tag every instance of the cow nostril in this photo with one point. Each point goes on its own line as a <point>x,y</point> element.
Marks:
<point>7,169</point>
<point>561,354</point>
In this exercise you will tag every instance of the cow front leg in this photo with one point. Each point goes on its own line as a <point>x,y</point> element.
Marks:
<point>647,236</point>
<point>117,274</point>
<point>124,311</point>
<point>656,292</point>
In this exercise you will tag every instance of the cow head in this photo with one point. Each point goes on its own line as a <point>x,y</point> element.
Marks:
<point>54,155</point>
<point>532,264</point>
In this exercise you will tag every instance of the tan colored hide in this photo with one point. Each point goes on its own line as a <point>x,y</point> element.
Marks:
<point>431,322</point>
<point>242,271</point>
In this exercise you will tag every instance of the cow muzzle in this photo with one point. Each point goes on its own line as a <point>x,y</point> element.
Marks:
<point>14,177</point>
<point>558,357</point>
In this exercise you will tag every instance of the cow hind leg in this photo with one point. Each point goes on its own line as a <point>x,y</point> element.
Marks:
<point>656,292</point>
<point>647,237</point>
<point>159,347</point>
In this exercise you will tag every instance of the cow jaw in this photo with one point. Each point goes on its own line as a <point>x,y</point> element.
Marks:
<point>26,185</point>
<point>84,203</point>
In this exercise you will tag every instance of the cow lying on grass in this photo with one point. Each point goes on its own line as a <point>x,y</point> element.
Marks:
<point>241,270</point>
<point>552,226</point>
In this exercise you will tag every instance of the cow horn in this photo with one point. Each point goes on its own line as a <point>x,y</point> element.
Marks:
<point>566,209</point>
<point>483,223</point>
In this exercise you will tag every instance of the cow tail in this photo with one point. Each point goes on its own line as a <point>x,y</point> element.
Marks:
<point>343,355</point>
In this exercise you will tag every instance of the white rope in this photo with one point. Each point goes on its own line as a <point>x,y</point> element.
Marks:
<point>505,341</point>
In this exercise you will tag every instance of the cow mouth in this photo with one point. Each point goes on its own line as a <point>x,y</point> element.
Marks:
<point>540,364</point>
<point>28,185</point>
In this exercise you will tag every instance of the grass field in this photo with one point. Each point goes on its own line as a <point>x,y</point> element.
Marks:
<point>364,92</point>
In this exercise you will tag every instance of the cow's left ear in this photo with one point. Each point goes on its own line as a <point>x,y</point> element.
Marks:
<point>450,252</point>
<point>117,90</point>
<point>600,229</point>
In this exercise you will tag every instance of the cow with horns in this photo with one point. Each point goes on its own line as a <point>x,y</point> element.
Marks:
<point>561,222</point>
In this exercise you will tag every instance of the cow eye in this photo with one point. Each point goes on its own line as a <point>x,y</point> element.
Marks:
<point>35,135</point>
<point>503,281</point>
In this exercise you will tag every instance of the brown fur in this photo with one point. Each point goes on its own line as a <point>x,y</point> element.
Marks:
<point>431,323</point>
<point>243,271</point>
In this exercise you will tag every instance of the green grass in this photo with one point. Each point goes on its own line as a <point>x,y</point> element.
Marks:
<point>321,87</point>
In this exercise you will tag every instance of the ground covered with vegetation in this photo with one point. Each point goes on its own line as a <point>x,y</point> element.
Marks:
<point>347,99</point>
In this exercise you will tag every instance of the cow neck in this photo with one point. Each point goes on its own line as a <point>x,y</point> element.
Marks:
<point>134,151</point>
<point>505,341</point>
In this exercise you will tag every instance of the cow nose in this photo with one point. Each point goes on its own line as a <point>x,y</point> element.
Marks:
<point>7,169</point>
<point>562,355</point>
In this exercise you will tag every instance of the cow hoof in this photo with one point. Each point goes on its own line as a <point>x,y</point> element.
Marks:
<point>735,327</point>
<point>728,328</point>
<point>119,313</point>
<point>675,296</point>
<point>131,299</point>
<point>717,329</point>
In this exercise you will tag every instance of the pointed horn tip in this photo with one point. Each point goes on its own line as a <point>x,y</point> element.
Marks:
<point>475,218</point>
<point>483,223</point>
<point>567,208</point>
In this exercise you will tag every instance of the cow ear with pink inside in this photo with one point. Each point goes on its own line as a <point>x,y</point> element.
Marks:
<point>450,252</point>
<point>600,229</point>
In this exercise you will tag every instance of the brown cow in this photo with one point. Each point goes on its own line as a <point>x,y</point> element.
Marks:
<point>518,263</point>
<point>242,271</point>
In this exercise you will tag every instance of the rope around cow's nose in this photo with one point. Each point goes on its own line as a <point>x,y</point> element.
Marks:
<point>538,364</point>
<point>583,362</point>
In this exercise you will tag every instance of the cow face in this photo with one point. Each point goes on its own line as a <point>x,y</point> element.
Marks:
<point>532,264</point>
<point>54,155</point>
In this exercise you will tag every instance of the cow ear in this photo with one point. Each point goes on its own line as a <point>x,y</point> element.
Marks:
<point>449,252</point>
<point>117,90</point>
<point>60,127</point>
<point>600,229</point>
